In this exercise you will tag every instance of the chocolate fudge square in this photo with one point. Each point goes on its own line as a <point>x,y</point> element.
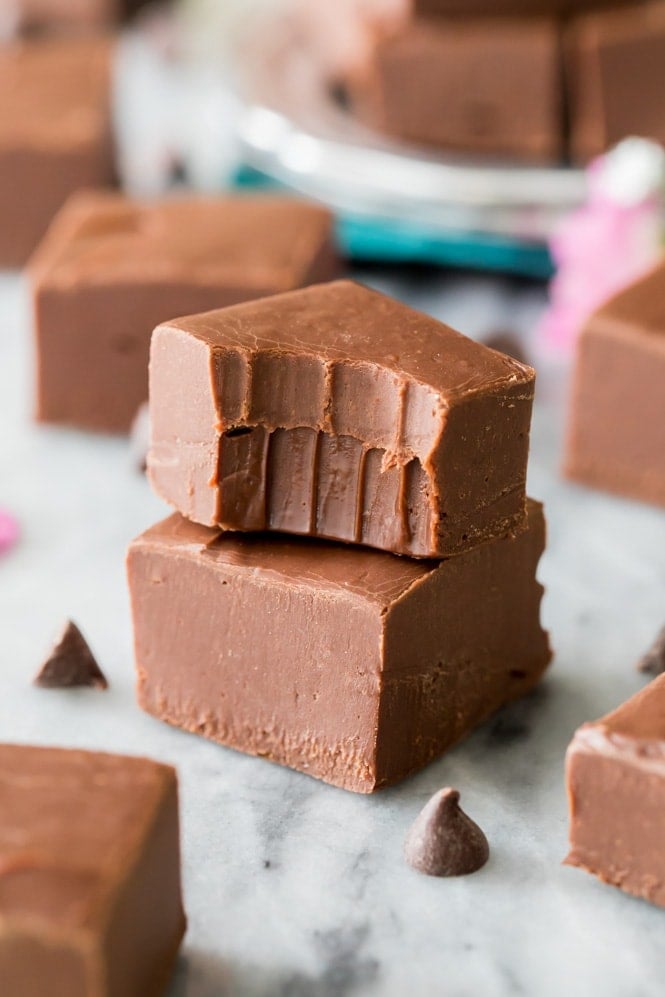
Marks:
<point>486,86</point>
<point>338,412</point>
<point>90,899</point>
<point>351,665</point>
<point>55,134</point>
<point>615,77</point>
<point>110,269</point>
<point>616,435</point>
<point>616,792</point>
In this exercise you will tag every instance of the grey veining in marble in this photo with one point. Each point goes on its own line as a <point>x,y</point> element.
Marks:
<point>297,889</point>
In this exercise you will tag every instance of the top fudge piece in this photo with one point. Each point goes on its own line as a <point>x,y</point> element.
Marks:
<point>110,269</point>
<point>616,789</point>
<point>340,413</point>
<point>55,134</point>
<point>90,900</point>
<point>616,438</point>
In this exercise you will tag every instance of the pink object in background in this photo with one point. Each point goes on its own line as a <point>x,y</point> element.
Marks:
<point>9,531</point>
<point>608,243</point>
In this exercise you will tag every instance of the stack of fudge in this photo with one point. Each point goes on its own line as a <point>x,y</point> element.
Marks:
<point>348,585</point>
<point>538,80</point>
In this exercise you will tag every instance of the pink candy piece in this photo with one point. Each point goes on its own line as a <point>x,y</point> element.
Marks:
<point>9,531</point>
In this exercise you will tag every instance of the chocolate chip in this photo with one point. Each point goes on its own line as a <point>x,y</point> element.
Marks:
<point>507,342</point>
<point>70,663</point>
<point>443,841</point>
<point>653,662</point>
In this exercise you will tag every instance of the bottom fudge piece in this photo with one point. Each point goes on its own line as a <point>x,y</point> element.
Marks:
<point>616,793</point>
<point>616,437</point>
<point>90,902</point>
<point>355,666</point>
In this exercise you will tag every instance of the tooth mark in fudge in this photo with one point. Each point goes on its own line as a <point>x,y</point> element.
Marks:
<point>338,412</point>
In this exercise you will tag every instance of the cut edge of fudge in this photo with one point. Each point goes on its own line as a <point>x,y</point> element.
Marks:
<point>337,437</point>
<point>298,698</point>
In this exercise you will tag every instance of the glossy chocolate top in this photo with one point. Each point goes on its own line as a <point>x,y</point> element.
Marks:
<point>261,241</point>
<point>346,322</point>
<point>70,823</point>
<point>53,94</point>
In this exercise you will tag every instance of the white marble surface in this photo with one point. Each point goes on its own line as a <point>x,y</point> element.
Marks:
<point>295,888</point>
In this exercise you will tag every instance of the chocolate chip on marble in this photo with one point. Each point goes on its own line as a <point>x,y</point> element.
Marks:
<point>443,841</point>
<point>70,663</point>
<point>653,662</point>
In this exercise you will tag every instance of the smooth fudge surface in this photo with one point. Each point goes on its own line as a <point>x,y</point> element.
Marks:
<point>615,77</point>
<point>339,412</point>
<point>616,792</point>
<point>616,434</point>
<point>110,269</point>
<point>90,900</point>
<point>55,134</point>
<point>490,86</point>
<point>349,664</point>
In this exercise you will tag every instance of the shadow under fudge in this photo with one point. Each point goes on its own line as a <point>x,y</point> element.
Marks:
<point>338,412</point>
<point>349,664</point>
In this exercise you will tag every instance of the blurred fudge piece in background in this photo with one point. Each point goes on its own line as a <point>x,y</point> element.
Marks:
<point>615,74</point>
<point>55,133</point>
<point>110,269</point>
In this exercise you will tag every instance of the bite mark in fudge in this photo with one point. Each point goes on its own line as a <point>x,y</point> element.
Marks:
<point>616,435</point>
<point>338,412</point>
<point>352,665</point>
<point>55,134</point>
<point>615,78</point>
<point>616,791</point>
<point>110,269</point>
<point>90,902</point>
<point>489,86</point>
